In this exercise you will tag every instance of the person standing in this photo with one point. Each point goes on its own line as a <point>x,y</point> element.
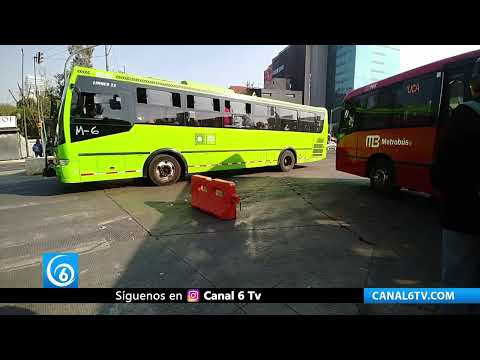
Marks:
<point>49,147</point>
<point>38,149</point>
<point>456,176</point>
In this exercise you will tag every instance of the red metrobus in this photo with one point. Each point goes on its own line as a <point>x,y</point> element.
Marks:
<point>389,130</point>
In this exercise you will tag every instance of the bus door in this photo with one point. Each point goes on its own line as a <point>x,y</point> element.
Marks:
<point>455,92</point>
<point>347,142</point>
<point>456,89</point>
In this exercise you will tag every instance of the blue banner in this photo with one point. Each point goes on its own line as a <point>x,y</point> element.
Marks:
<point>421,295</point>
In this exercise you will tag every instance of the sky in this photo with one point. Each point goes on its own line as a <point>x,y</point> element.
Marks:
<point>220,65</point>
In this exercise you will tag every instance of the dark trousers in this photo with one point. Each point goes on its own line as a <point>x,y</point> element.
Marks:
<point>460,267</point>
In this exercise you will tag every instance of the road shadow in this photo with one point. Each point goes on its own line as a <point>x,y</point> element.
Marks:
<point>291,232</point>
<point>52,187</point>
<point>15,310</point>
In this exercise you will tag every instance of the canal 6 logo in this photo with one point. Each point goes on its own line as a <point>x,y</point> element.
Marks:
<point>60,270</point>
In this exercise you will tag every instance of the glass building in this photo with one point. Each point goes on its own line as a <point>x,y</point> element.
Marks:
<point>353,66</point>
<point>325,73</point>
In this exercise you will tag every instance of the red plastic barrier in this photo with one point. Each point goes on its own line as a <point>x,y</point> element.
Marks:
<point>215,196</point>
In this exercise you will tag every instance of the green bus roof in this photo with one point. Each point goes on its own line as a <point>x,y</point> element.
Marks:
<point>184,85</point>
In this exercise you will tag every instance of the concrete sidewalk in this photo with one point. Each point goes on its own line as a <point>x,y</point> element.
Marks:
<point>311,227</point>
<point>6,162</point>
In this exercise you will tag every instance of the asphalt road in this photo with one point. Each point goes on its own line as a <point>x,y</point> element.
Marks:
<point>311,227</point>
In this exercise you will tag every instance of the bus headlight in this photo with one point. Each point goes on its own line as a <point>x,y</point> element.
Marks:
<point>63,162</point>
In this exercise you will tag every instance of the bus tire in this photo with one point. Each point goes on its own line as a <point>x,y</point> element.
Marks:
<point>164,170</point>
<point>287,161</point>
<point>382,176</point>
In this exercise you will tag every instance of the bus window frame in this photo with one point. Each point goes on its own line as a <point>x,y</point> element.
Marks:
<point>450,72</point>
<point>437,90</point>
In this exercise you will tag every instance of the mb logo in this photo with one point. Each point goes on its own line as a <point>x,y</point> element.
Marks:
<point>373,141</point>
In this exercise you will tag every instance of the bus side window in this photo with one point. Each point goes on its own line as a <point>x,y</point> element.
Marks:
<point>159,107</point>
<point>308,122</point>
<point>287,119</point>
<point>456,94</point>
<point>377,113</point>
<point>205,111</point>
<point>415,103</point>
<point>261,116</point>
<point>241,115</point>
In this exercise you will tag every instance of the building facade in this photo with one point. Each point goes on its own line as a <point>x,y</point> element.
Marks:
<point>325,73</point>
<point>267,77</point>
<point>278,91</point>
<point>292,96</point>
<point>359,65</point>
<point>12,143</point>
<point>331,71</point>
<point>290,64</point>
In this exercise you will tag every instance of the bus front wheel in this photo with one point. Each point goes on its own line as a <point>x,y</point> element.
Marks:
<point>164,170</point>
<point>287,161</point>
<point>381,176</point>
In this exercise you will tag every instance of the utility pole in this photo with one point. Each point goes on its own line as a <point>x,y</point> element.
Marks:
<point>24,114</point>
<point>38,59</point>
<point>106,58</point>
<point>124,71</point>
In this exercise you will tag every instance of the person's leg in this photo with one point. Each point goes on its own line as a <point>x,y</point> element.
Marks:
<point>460,265</point>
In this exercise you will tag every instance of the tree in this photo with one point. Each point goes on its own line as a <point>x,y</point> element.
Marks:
<point>8,110</point>
<point>82,58</point>
<point>30,106</point>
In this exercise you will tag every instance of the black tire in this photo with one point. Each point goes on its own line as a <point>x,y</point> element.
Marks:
<point>164,170</point>
<point>287,161</point>
<point>382,176</point>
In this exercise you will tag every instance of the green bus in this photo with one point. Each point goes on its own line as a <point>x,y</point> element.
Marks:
<point>116,125</point>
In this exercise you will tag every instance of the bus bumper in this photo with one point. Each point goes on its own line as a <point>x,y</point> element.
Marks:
<point>67,173</point>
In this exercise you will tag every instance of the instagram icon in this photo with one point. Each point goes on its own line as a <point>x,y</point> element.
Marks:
<point>193,295</point>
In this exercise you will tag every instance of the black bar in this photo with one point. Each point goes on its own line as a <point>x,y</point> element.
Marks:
<point>207,295</point>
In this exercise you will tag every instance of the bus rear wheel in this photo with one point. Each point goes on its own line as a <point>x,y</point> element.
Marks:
<point>287,161</point>
<point>164,170</point>
<point>381,176</point>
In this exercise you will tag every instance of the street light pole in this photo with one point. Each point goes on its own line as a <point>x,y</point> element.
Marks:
<point>40,117</point>
<point>24,114</point>
<point>106,58</point>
